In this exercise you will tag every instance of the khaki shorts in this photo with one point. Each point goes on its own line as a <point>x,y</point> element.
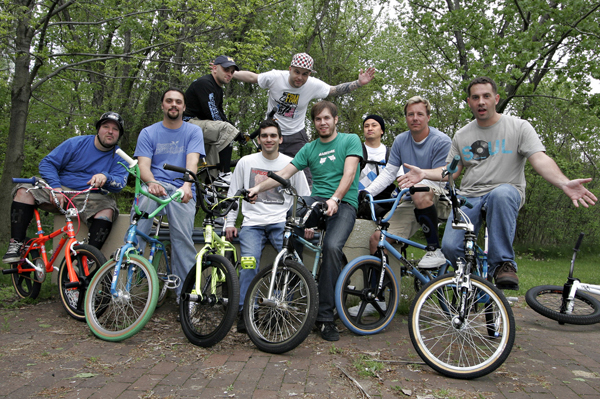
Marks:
<point>217,136</point>
<point>96,203</point>
<point>404,223</point>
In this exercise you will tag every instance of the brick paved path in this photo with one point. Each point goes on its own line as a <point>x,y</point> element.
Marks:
<point>44,353</point>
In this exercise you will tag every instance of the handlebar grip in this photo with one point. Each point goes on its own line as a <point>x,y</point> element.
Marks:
<point>578,244</point>
<point>254,134</point>
<point>284,182</point>
<point>272,113</point>
<point>453,167</point>
<point>126,158</point>
<point>174,168</point>
<point>418,189</point>
<point>30,180</point>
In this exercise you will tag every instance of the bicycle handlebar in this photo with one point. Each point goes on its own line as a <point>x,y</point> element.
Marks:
<point>174,168</point>
<point>130,161</point>
<point>453,167</point>
<point>30,180</point>
<point>284,182</point>
<point>578,244</point>
<point>257,131</point>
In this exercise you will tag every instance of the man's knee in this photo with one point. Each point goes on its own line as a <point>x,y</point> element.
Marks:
<point>23,196</point>
<point>105,214</point>
<point>422,200</point>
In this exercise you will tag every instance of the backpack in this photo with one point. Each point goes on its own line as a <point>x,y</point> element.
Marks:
<point>387,192</point>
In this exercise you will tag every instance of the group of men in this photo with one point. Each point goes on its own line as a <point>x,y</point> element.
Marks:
<point>493,150</point>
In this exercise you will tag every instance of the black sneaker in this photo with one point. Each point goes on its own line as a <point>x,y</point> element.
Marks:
<point>241,324</point>
<point>13,254</point>
<point>329,331</point>
<point>506,277</point>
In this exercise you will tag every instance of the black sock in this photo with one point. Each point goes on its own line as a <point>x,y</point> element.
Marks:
<point>20,216</point>
<point>225,159</point>
<point>99,231</point>
<point>428,220</point>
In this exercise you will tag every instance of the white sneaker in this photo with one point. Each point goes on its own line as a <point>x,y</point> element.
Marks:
<point>224,177</point>
<point>432,260</point>
<point>369,309</point>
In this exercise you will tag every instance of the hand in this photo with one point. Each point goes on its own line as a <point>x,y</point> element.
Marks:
<point>412,177</point>
<point>97,180</point>
<point>187,193</point>
<point>252,195</point>
<point>332,207</point>
<point>575,190</point>
<point>366,76</point>
<point>230,232</point>
<point>156,189</point>
<point>309,234</point>
<point>60,197</point>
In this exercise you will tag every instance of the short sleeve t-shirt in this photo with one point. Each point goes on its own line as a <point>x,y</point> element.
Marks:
<point>495,155</point>
<point>291,102</point>
<point>326,162</point>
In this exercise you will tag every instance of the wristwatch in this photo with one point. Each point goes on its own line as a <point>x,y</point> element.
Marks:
<point>336,199</point>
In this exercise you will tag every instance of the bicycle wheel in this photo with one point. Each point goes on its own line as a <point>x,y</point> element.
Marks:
<point>208,313</point>
<point>86,261</point>
<point>25,283</point>
<point>117,318</point>
<point>473,348</point>
<point>547,300</point>
<point>361,308</point>
<point>282,322</point>
<point>160,264</point>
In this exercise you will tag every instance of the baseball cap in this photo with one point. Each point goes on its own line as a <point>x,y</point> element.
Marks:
<point>225,62</point>
<point>303,60</point>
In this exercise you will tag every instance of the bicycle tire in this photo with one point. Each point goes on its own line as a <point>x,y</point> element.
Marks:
<point>209,320</point>
<point>73,299</point>
<point>25,284</point>
<point>473,349</point>
<point>355,296</point>
<point>547,300</point>
<point>160,264</point>
<point>282,325</point>
<point>116,319</point>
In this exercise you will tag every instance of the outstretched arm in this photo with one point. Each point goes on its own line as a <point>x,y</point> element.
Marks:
<point>364,77</point>
<point>574,189</point>
<point>416,174</point>
<point>246,76</point>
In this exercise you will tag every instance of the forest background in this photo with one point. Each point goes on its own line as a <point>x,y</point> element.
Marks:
<point>65,62</point>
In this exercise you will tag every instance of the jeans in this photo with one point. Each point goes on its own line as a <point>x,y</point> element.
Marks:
<point>252,242</point>
<point>501,208</point>
<point>181,224</point>
<point>339,227</point>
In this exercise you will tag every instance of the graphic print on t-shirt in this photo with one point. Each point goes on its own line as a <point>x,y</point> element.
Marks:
<point>169,148</point>
<point>272,196</point>
<point>287,104</point>
<point>481,149</point>
<point>212,105</point>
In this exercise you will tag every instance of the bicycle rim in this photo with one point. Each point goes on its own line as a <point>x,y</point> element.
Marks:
<point>472,349</point>
<point>25,284</point>
<point>547,300</point>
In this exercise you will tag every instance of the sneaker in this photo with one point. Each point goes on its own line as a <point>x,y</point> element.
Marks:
<point>369,309</point>
<point>329,331</point>
<point>506,277</point>
<point>432,259</point>
<point>223,180</point>
<point>13,254</point>
<point>241,324</point>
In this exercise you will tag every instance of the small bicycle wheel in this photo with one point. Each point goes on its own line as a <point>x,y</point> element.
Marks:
<point>548,301</point>
<point>468,348</point>
<point>362,308</point>
<point>86,262</point>
<point>118,317</point>
<point>26,284</point>
<point>207,312</point>
<point>160,263</point>
<point>280,323</point>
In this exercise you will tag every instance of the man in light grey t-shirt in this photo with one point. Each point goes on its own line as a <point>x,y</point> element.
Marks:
<point>493,150</point>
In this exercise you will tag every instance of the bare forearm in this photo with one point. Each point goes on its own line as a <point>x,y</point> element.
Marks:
<point>246,76</point>
<point>344,88</point>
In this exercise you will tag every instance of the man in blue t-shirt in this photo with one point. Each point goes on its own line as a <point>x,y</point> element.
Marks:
<point>76,164</point>
<point>181,144</point>
<point>333,160</point>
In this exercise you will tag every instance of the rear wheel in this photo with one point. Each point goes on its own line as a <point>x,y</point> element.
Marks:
<point>208,311</point>
<point>548,301</point>
<point>115,318</point>
<point>162,271</point>
<point>27,284</point>
<point>86,261</point>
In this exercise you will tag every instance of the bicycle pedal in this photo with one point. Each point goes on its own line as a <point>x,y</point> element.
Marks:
<point>512,300</point>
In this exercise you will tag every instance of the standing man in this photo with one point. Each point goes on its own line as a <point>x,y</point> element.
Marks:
<point>75,165</point>
<point>204,108</point>
<point>334,162</point>
<point>291,91</point>
<point>176,143</point>
<point>493,150</point>
<point>264,220</point>
<point>427,148</point>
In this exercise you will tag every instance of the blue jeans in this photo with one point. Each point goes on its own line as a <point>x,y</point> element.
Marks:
<point>181,224</point>
<point>252,242</point>
<point>501,208</point>
<point>339,227</point>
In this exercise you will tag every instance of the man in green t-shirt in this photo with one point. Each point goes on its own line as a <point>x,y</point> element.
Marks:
<point>333,160</point>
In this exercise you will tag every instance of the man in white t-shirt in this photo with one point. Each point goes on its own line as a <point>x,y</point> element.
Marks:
<point>291,91</point>
<point>265,219</point>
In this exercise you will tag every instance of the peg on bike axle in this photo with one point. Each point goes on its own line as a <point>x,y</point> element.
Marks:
<point>75,284</point>
<point>10,271</point>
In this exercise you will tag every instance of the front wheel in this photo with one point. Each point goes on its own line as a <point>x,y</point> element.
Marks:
<point>120,316</point>
<point>86,261</point>
<point>362,307</point>
<point>282,321</point>
<point>465,348</point>
<point>548,301</point>
<point>208,311</point>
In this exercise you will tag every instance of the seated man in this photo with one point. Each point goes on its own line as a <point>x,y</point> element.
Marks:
<point>75,165</point>
<point>264,220</point>
<point>426,147</point>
